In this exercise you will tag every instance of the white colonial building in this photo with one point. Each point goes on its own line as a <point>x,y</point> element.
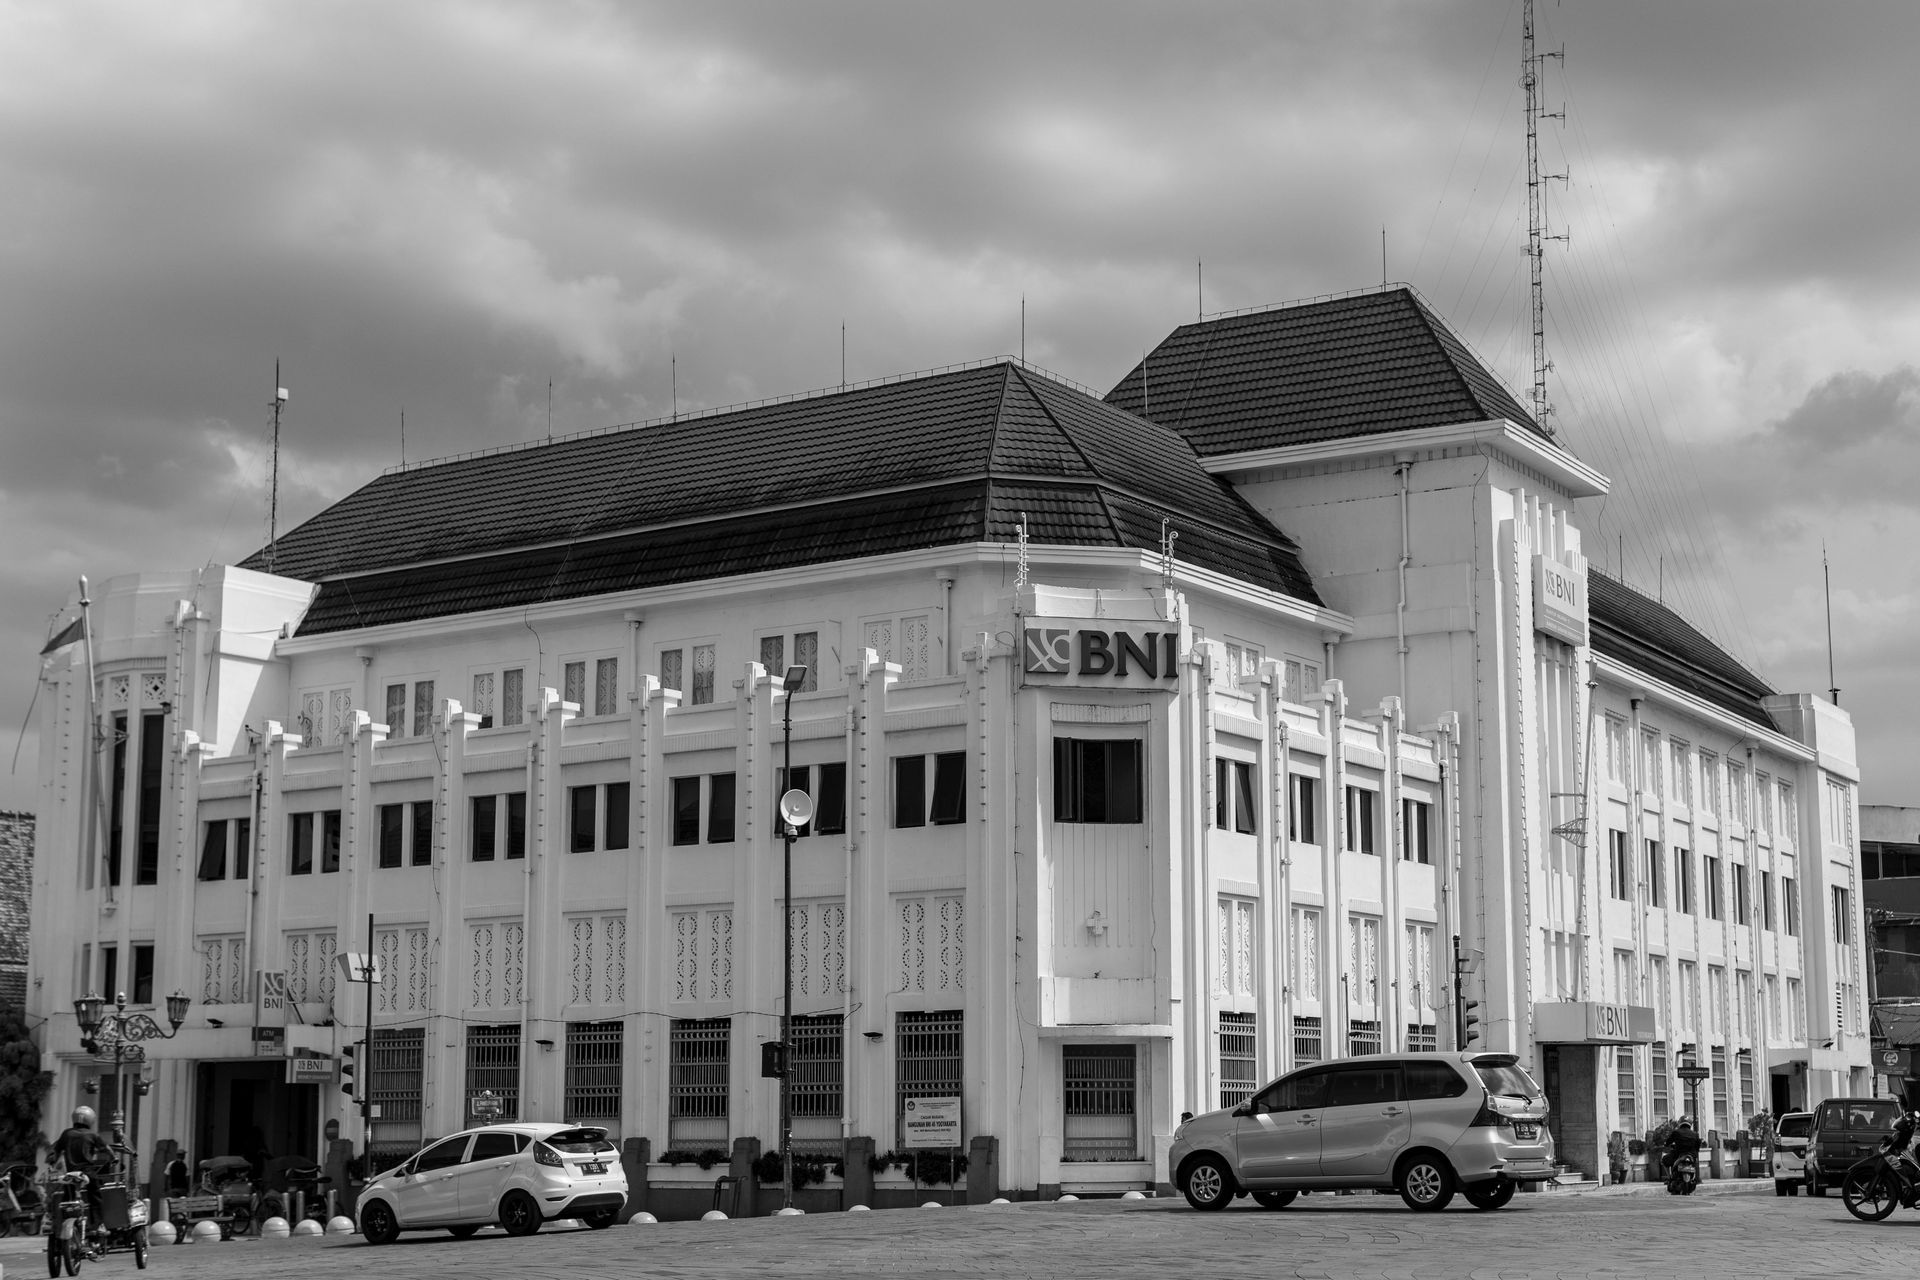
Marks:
<point>1124,799</point>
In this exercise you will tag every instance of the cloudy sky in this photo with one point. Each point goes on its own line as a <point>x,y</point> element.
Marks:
<point>436,209</point>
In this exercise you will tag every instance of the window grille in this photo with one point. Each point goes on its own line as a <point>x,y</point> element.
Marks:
<point>1308,1040</point>
<point>1098,1085</point>
<point>1363,1038</point>
<point>927,1058</point>
<point>1238,1059</point>
<point>817,1072</point>
<point>1422,1037</point>
<point>1657,1081</point>
<point>1628,1086</point>
<point>698,1082</point>
<point>493,1062</point>
<point>593,1074</point>
<point>395,1077</point>
<point>1719,1065</point>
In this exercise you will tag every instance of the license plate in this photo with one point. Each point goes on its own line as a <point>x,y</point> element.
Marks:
<point>593,1166</point>
<point>1526,1129</point>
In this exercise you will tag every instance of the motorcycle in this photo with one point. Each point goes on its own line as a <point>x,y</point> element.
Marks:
<point>21,1205</point>
<point>1886,1180</point>
<point>73,1237</point>
<point>1683,1175</point>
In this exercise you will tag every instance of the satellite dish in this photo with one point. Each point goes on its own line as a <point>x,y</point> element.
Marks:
<point>796,808</point>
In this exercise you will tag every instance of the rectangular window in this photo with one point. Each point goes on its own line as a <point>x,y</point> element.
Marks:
<point>1790,906</point>
<point>392,821</point>
<point>686,810</point>
<point>1097,1083</point>
<point>718,791</point>
<point>1683,881</point>
<point>1239,1060</point>
<point>1763,801</point>
<point>422,707</point>
<point>1766,900</point>
<point>1309,1044</point>
<point>1736,793</point>
<point>397,710</point>
<point>516,824</point>
<point>422,833</point>
<point>1621,862</point>
<point>1719,1069</point>
<point>1300,680</point>
<point>573,684</point>
<point>671,668</point>
<point>142,973</point>
<point>606,686</point>
<point>806,653</point>
<point>592,1074</point>
<point>1739,893</point>
<point>213,851</point>
<point>703,670</point>
<point>1842,917</point>
<point>1302,820</point>
<point>110,970</point>
<point>1618,762</point>
<point>1710,877</point>
<point>1682,772</point>
<point>619,802</point>
<point>395,1079</point>
<point>116,805</point>
<point>818,1072</point>
<point>1650,763</point>
<point>720,808</point>
<point>927,1059</point>
<point>1363,1037</point>
<point>698,1084</point>
<point>153,759</point>
<point>482,703</point>
<point>910,796</point>
<point>1789,812</point>
<point>830,800</point>
<point>583,818</point>
<point>1656,875</point>
<point>513,697</point>
<point>300,857</point>
<point>1423,1037</point>
<point>910,791</point>
<point>1416,838</point>
<point>481,827</point>
<point>330,841</point>
<point>1709,782</point>
<point>1657,1084</point>
<point>493,1065</point>
<point>242,848</point>
<point>1361,805</point>
<point>1097,780</point>
<point>1233,808</point>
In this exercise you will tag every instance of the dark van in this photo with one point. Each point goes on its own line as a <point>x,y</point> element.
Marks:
<point>1845,1130</point>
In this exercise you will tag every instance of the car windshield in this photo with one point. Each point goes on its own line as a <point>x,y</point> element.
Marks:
<point>1796,1126</point>
<point>1506,1079</point>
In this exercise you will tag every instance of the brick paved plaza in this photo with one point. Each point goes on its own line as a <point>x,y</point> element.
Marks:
<point>1632,1233</point>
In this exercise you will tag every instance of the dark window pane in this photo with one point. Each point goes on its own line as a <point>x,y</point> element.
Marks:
<point>1096,780</point>
<point>442,1155</point>
<point>392,819</point>
<point>482,828</point>
<point>110,965</point>
<point>1363,1086</point>
<point>422,833</point>
<point>153,759</point>
<point>143,973</point>
<point>242,848</point>
<point>1243,796</point>
<point>909,791</point>
<point>116,808</point>
<point>1221,801</point>
<point>1066,789</point>
<point>830,814</point>
<point>1124,781</point>
<point>491,1146</point>
<point>686,811</point>
<point>619,795</point>
<point>949,788</point>
<point>581,815</point>
<point>213,851</point>
<point>720,809</point>
<point>800,778</point>
<point>517,824</point>
<point>1302,824</point>
<point>1433,1080</point>
<point>301,862</point>
<point>330,840</point>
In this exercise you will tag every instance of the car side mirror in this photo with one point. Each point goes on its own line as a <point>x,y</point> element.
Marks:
<point>1244,1109</point>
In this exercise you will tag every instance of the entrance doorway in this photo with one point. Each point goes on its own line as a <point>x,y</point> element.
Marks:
<point>248,1109</point>
<point>1782,1089</point>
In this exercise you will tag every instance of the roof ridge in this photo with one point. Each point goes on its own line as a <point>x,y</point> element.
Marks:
<point>1066,434</point>
<point>993,443</point>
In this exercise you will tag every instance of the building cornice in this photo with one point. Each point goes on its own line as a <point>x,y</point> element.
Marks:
<point>1638,684</point>
<point>1495,435</point>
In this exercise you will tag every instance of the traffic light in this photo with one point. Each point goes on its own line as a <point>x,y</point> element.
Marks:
<point>349,1068</point>
<point>1468,1021</point>
<point>773,1059</point>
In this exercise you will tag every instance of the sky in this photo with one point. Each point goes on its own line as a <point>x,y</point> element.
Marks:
<point>490,219</point>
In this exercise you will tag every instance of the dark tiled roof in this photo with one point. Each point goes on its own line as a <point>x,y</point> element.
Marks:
<point>1352,366</point>
<point>1646,635</point>
<point>948,458</point>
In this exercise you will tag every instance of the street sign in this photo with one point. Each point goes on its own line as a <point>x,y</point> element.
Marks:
<point>269,1042</point>
<point>1695,1073</point>
<point>487,1104</point>
<point>930,1122</point>
<point>306,1069</point>
<point>358,967</point>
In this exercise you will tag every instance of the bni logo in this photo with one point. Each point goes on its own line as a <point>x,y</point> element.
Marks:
<point>1049,650</point>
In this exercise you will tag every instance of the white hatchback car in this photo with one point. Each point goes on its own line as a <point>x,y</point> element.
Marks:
<point>516,1175</point>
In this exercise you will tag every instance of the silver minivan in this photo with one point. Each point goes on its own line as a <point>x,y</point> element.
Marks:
<point>1423,1124</point>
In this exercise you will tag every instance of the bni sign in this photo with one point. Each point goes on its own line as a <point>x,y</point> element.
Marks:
<point>1131,655</point>
<point>1560,598</point>
<point>930,1122</point>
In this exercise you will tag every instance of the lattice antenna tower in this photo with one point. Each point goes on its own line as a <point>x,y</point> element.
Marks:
<point>1537,237</point>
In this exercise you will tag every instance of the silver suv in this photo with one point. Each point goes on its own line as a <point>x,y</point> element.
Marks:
<point>1424,1124</point>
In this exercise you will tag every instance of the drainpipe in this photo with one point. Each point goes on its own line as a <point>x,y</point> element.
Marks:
<point>946,617</point>
<point>1403,468</point>
<point>846,906</point>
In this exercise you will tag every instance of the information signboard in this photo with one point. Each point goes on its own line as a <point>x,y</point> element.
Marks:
<point>930,1122</point>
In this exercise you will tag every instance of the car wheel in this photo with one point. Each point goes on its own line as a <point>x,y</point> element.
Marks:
<point>519,1215</point>
<point>1490,1195</point>
<point>1869,1194</point>
<point>1274,1199</point>
<point>600,1219</point>
<point>465,1232</point>
<point>378,1224</point>
<point>1425,1183</point>
<point>1208,1184</point>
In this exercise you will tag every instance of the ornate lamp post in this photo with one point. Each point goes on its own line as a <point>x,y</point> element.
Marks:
<point>796,810</point>
<point>118,1035</point>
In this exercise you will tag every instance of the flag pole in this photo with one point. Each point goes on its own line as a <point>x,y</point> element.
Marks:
<point>90,779</point>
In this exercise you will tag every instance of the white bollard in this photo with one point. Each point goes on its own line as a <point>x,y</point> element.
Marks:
<point>1064,1199</point>
<point>204,1230</point>
<point>162,1232</point>
<point>858,1208</point>
<point>642,1218</point>
<point>1134,1195</point>
<point>275,1229</point>
<point>308,1227</point>
<point>932,1204</point>
<point>340,1226</point>
<point>713,1215</point>
<point>789,1212</point>
<point>999,1200</point>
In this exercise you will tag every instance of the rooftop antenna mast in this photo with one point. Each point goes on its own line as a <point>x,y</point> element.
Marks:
<point>1826,574</point>
<point>273,485</point>
<point>1537,211</point>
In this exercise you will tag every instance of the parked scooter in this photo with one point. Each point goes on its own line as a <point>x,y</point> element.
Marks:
<point>1889,1178</point>
<point>1683,1175</point>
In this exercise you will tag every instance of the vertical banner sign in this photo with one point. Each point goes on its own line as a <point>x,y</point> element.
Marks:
<point>269,1012</point>
<point>1560,598</point>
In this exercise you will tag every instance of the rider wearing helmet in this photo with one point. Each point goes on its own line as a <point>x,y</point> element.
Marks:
<point>1683,1141</point>
<point>79,1149</point>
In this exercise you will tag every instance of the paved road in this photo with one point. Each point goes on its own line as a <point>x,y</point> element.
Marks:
<point>1747,1235</point>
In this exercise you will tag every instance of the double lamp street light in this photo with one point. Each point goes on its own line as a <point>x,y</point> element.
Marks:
<point>118,1034</point>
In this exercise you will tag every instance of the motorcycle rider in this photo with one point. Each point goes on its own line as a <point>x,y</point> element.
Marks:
<point>1683,1141</point>
<point>79,1149</point>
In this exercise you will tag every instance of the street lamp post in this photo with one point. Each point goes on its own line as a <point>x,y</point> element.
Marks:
<point>122,1033</point>
<point>796,809</point>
